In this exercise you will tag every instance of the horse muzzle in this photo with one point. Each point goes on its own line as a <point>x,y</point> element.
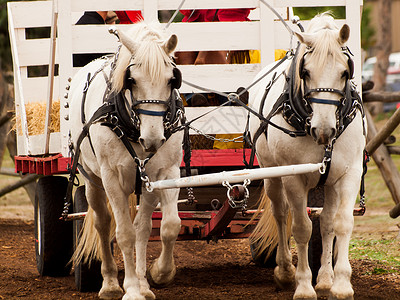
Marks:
<point>323,136</point>
<point>151,145</point>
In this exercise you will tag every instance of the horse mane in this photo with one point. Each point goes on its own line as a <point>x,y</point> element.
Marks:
<point>326,46</point>
<point>149,55</point>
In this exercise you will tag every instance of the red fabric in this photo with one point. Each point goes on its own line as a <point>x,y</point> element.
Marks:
<point>129,16</point>
<point>223,15</point>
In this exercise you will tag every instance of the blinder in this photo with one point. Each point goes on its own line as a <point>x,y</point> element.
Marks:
<point>345,51</point>
<point>176,80</point>
<point>174,106</point>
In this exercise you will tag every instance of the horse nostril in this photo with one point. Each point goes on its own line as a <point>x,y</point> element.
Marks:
<point>162,142</point>
<point>333,133</point>
<point>314,133</point>
<point>141,142</point>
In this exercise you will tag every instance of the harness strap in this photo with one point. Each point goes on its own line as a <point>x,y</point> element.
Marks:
<point>100,112</point>
<point>327,159</point>
<point>324,101</point>
<point>151,112</point>
<point>263,125</point>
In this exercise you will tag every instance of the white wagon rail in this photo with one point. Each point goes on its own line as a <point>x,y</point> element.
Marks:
<point>233,176</point>
<point>264,33</point>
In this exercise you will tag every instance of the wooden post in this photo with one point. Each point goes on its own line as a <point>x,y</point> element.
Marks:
<point>384,133</point>
<point>384,162</point>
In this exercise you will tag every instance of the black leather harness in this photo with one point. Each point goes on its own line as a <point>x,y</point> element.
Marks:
<point>114,114</point>
<point>295,107</point>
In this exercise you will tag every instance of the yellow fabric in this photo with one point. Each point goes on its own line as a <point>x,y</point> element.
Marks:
<point>255,57</point>
<point>279,54</point>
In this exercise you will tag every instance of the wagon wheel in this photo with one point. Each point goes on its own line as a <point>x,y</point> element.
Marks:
<point>53,238</point>
<point>87,276</point>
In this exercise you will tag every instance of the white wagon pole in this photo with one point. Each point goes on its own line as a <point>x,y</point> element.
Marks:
<point>233,176</point>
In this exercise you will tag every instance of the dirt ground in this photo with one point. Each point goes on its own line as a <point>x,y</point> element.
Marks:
<point>205,271</point>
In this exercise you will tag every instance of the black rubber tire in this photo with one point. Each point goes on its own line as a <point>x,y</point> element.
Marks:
<point>53,237</point>
<point>87,277</point>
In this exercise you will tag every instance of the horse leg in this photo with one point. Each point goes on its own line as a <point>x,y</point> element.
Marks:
<point>301,229</point>
<point>97,200</point>
<point>163,269</point>
<point>143,226</point>
<point>284,271</point>
<point>125,234</point>
<point>325,273</point>
<point>343,227</point>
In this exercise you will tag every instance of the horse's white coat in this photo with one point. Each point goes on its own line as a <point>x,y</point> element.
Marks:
<point>113,167</point>
<point>291,192</point>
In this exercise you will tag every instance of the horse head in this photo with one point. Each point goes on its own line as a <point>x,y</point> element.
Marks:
<point>324,69</point>
<point>147,76</point>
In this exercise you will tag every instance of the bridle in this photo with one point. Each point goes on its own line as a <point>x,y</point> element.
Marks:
<point>174,106</point>
<point>297,110</point>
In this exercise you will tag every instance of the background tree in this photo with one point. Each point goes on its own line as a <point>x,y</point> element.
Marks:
<point>384,48</point>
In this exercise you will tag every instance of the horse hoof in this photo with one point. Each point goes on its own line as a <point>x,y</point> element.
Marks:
<point>322,291</point>
<point>149,295</point>
<point>161,280</point>
<point>111,293</point>
<point>305,292</point>
<point>285,280</point>
<point>336,298</point>
<point>341,291</point>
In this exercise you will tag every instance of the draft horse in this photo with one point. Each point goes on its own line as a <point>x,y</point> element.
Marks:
<point>123,111</point>
<point>312,113</point>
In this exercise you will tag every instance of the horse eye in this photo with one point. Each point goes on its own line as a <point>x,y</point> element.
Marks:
<point>171,80</point>
<point>345,74</point>
<point>131,80</point>
<point>305,73</point>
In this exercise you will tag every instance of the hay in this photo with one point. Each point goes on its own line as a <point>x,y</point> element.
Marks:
<point>35,115</point>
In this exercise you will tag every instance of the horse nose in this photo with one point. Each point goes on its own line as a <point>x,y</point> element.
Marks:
<point>323,136</point>
<point>151,145</point>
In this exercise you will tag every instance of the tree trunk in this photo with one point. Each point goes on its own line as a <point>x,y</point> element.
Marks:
<point>384,48</point>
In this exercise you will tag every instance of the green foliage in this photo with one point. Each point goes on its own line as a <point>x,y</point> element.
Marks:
<point>307,13</point>
<point>367,31</point>
<point>339,12</point>
<point>384,251</point>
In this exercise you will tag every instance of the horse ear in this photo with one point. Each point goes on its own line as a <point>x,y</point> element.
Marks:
<point>127,42</point>
<point>170,45</point>
<point>344,34</point>
<point>305,38</point>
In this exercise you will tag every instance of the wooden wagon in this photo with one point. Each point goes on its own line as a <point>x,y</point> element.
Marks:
<point>46,152</point>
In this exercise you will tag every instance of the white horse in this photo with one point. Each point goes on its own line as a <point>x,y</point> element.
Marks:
<point>319,106</point>
<point>141,77</point>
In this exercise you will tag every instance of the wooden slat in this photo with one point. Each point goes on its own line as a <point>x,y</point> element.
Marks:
<point>225,120</point>
<point>35,89</point>
<point>34,52</point>
<point>37,144</point>
<point>210,4</point>
<point>103,5</point>
<point>307,3</point>
<point>31,14</point>
<point>79,5</point>
<point>223,78</point>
